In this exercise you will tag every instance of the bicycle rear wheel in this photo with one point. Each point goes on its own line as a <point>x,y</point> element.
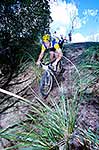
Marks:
<point>46,84</point>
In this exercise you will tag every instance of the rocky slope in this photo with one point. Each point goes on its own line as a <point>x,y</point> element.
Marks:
<point>25,84</point>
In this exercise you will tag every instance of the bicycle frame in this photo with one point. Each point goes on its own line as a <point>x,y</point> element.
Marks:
<point>47,79</point>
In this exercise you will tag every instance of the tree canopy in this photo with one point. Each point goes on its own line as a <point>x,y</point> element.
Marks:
<point>22,23</point>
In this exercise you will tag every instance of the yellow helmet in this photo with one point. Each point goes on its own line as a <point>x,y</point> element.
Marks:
<point>46,38</point>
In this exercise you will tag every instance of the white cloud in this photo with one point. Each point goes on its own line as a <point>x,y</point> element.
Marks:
<point>93,37</point>
<point>84,20</point>
<point>90,12</point>
<point>78,37</point>
<point>78,23</point>
<point>63,15</point>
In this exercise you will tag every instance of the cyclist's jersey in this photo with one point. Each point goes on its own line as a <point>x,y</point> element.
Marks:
<point>54,46</point>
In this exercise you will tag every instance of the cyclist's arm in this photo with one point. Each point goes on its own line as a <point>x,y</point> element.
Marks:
<point>41,55</point>
<point>59,53</point>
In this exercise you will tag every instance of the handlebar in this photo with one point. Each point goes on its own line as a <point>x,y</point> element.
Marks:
<point>46,66</point>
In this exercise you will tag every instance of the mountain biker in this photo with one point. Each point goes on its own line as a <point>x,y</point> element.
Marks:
<point>53,46</point>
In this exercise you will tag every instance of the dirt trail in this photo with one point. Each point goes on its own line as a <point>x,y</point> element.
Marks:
<point>27,87</point>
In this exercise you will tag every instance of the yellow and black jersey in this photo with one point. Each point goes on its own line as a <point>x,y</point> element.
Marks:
<point>53,47</point>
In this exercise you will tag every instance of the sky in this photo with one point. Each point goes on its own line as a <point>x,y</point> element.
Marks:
<point>84,15</point>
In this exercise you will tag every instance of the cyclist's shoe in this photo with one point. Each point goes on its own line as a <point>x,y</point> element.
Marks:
<point>62,70</point>
<point>54,65</point>
<point>63,78</point>
<point>59,67</point>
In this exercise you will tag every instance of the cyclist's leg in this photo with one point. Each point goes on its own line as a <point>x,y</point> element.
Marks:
<point>58,66</point>
<point>52,55</point>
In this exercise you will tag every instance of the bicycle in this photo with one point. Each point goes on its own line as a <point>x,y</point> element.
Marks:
<point>48,77</point>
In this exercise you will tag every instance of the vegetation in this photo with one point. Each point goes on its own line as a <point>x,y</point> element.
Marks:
<point>88,63</point>
<point>45,126</point>
<point>51,127</point>
<point>22,25</point>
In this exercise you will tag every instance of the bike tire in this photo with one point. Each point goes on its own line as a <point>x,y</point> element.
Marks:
<point>46,84</point>
<point>59,66</point>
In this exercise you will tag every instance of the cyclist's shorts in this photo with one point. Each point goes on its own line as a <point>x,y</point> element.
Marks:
<point>54,46</point>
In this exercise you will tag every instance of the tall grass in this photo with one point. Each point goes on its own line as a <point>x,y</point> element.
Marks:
<point>88,64</point>
<point>45,127</point>
<point>90,139</point>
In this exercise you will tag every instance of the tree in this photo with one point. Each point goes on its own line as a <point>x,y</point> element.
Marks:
<point>22,24</point>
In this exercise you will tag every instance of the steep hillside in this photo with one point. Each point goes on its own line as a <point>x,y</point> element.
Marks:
<point>76,79</point>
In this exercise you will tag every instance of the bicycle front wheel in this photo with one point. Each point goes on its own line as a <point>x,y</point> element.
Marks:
<point>46,84</point>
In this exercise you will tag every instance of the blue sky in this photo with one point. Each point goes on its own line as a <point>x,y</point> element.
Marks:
<point>93,21</point>
<point>86,22</point>
<point>88,4</point>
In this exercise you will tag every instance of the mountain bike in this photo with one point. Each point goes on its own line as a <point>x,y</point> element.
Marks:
<point>48,77</point>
